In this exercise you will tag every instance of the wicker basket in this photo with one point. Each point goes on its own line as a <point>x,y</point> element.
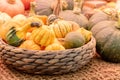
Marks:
<point>47,62</point>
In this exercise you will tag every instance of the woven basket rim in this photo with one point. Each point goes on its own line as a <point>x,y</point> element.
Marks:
<point>4,43</point>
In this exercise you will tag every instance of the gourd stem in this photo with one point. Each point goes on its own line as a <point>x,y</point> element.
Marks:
<point>57,7</point>
<point>11,1</point>
<point>32,8</point>
<point>78,5</point>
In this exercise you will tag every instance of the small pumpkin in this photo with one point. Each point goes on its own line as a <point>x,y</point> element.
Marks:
<point>43,36</point>
<point>15,36</point>
<point>12,7</point>
<point>61,28</point>
<point>107,35</point>
<point>73,40</point>
<point>45,7</point>
<point>55,46</point>
<point>30,45</point>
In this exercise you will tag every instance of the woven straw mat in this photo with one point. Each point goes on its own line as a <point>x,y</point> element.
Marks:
<point>96,69</point>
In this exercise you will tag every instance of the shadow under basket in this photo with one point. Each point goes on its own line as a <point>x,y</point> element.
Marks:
<point>47,62</point>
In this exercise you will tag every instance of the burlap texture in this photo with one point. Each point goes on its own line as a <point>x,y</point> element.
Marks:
<point>96,69</point>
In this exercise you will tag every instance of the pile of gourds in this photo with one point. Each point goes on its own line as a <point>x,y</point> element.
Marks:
<point>39,33</point>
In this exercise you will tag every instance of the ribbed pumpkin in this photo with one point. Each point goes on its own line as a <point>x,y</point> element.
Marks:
<point>15,36</point>
<point>12,7</point>
<point>3,18</point>
<point>43,36</point>
<point>45,7</point>
<point>55,46</point>
<point>30,45</point>
<point>61,28</point>
<point>107,35</point>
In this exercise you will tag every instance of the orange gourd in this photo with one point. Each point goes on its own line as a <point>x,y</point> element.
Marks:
<point>29,44</point>
<point>12,7</point>
<point>43,36</point>
<point>55,46</point>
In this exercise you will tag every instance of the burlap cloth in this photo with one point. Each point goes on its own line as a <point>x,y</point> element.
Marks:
<point>96,69</point>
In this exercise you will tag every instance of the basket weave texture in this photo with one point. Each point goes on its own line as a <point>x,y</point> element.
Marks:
<point>47,62</point>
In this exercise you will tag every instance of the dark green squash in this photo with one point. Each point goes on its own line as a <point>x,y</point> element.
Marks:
<point>107,35</point>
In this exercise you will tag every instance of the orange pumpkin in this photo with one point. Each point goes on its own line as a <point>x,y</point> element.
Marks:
<point>12,7</point>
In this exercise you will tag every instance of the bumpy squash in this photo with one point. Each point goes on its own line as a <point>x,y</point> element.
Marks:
<point>16,36</point>
<point>74,40</point>
<point>107,35</point>
<point>55,46</point>
<point>43,36</point>
<point>29,44</point>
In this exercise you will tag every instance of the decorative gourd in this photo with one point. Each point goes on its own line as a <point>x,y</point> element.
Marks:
<point>55,46</point>
<point>7,25</point>
<point>45,7</point>
<point>87,34</point>
<point>3,18</point>
<point>74,15</point>
<point>43,36</point>
<point>20,17</point>
<point>74,40</point>
<point>61,28</point>
<point>16,36</point>
<point>30,44</point>
<point>12,7</point>
<point>27,3</point>
<point>107,35</point>
<point>106,14</point>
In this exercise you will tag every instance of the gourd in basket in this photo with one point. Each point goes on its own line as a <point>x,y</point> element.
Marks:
<point>48,54</point>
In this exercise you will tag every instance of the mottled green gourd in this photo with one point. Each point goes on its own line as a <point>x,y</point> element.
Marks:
<point>73,40</point>
<point>16,36</point>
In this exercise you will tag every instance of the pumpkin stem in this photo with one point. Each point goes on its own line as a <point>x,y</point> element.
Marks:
<point>57,7</point>
<point>32,9</point>
<point>78,5</point>
<point>11,1</point>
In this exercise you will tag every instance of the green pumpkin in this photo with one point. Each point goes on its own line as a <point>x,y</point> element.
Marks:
<point>107,35</point>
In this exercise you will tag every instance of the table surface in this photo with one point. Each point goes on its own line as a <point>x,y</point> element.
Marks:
<point>96,69</point>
